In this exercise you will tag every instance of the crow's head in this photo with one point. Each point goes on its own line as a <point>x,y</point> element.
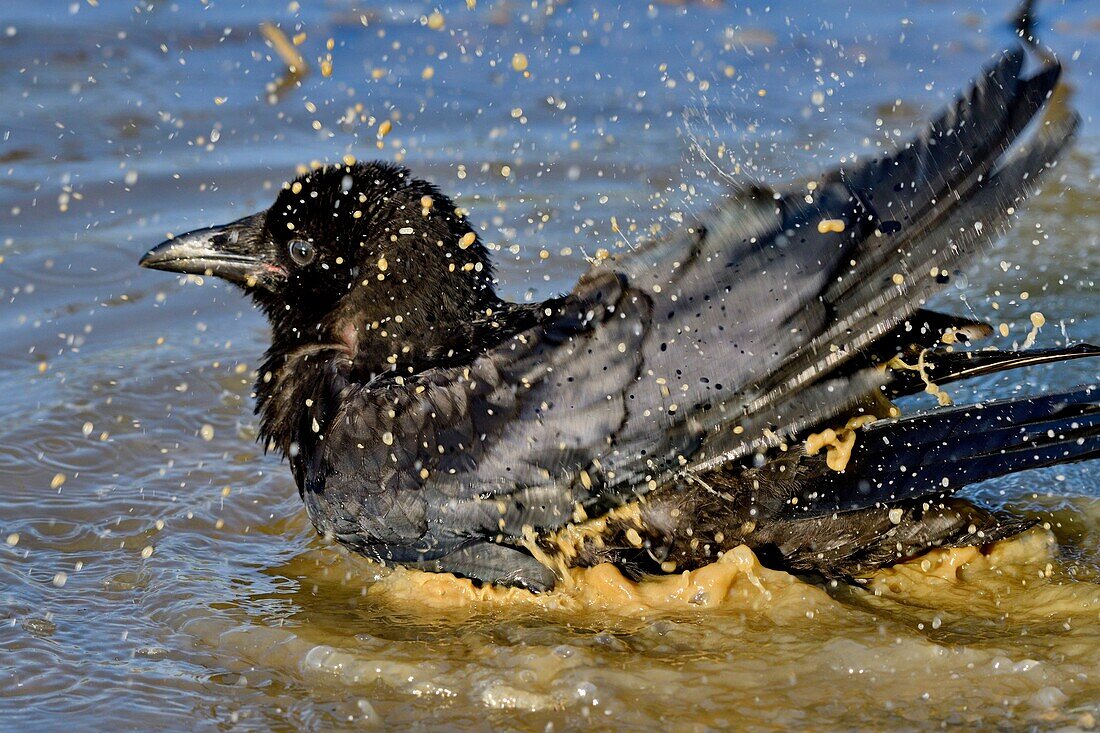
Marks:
<point>347,253</point>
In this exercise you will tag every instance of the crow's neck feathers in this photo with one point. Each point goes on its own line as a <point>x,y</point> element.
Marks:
<point>403,285</point>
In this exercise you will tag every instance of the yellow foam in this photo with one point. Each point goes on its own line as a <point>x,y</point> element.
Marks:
<point>921,367</point>
<point>838,443</point>
<point>736,580</point>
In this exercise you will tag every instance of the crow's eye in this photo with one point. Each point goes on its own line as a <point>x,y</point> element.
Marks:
<point>302,252</point>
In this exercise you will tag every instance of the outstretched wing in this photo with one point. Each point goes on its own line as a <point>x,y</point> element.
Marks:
<point>721,340</point>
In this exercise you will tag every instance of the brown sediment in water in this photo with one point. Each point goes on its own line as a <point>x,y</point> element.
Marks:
<point>967,615</point>
<point>1008,558</point>
<point>1022,580</point>
<point>558,550</point>
<point>735,582</point>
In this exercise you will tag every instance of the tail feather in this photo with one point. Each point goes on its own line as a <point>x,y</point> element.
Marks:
<point>857,542</point>
<point>945,367</point>
<point>938,453</point>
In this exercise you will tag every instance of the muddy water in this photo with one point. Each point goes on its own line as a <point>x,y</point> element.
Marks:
<point>158,570</point>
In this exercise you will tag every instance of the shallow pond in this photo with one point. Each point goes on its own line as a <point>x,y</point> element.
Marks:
<point>159,571</point>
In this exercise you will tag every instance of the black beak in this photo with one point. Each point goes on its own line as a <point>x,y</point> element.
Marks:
<point>233,252</point>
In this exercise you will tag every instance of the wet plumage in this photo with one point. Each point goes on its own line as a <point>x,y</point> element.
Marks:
<point>430,423</point>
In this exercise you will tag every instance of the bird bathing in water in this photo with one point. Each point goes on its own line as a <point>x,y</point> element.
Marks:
<point>726,384</point>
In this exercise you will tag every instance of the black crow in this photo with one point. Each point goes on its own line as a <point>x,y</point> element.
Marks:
<point>725,384</point>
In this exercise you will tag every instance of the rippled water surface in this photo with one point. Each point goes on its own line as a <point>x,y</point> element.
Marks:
<point>159,571</point>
